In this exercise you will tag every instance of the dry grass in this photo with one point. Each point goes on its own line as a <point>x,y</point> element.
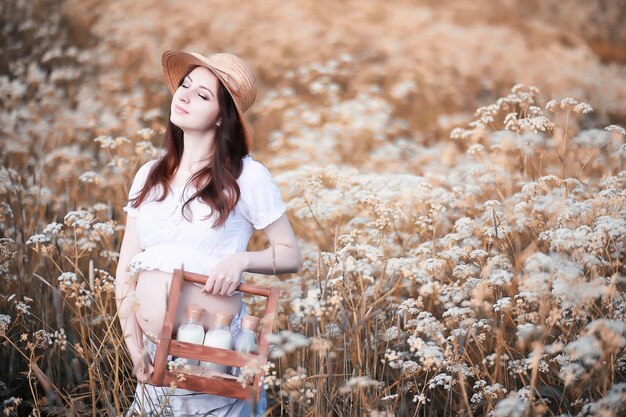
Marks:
<point>456,262</point>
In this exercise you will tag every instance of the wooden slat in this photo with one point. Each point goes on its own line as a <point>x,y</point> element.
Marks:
<point>268,320</point>
<point>271,306</point>
<point>215,386</point>
<point>247,288</point>
<point>160,357</point>
<point>217,355</point>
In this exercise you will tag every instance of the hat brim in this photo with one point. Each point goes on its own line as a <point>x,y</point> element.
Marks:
<point>177,64</point>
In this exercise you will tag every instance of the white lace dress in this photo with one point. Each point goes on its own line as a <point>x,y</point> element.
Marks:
<point>169,240</point>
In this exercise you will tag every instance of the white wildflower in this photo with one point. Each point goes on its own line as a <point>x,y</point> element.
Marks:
<point>500,277</point>
<point>458,133</point>
<point>408,306</point>
<point>465,271</point>
<point>357,382</point>
<point>568,103</point>
<point>145,147</point>
<point>410,367</point>
<point>591,138</point>
<point>616,129</point>
<point>103,229</point>
<point>91,177</point>
<point>428,353</point>
<point>285,342</point>
<point>392,333</point>
<point>551,105</point>
<point>53,228</point>
<point>478,255</point>
<point>444,380</point>
<point>503,304</point>
<point>118,162</point>
<point>512,406</point>
<point>146,133</point>
<point>402,89</point>
<point>536,124</point>
<point>582,108</point>
<point>511,122</point>
<point>458,312</point>
<point>389,397</point>
<point>105,141</point>
<point>526,331</point>
<point>420,399</point>
<point>475,149</point>
<point>67,278</point>
<point>38,239</point>
<point>79,219</point>
<point>610,404</point>
<point>311,305</point>
<point>394,358</point>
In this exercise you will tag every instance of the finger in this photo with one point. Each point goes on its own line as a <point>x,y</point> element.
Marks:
<point>232,288</point>
<point>208,287</point>
<point>141,377</point>
<point>219,283</point>
<point>226,288</point>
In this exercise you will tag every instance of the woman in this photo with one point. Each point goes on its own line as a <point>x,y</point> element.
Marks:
<point>196,207</point>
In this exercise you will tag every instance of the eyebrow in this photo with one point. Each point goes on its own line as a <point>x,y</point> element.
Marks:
<point>203,87</point>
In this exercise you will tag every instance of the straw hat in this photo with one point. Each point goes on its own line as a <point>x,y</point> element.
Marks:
<point>231,70</point>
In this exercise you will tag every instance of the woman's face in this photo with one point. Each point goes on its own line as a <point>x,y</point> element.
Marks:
<point>194,104</point>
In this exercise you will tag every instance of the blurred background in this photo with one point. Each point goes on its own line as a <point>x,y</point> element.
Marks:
<point>86,67</point>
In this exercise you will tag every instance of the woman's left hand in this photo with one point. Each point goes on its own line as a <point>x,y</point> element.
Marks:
<point>226,275</point>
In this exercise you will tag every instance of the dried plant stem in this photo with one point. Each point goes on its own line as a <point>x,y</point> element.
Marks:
<point>537,351</point>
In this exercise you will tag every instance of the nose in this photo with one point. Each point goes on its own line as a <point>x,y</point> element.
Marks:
<point>182,95</point>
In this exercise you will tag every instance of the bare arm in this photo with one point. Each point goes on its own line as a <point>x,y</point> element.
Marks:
<point>286,258</point>
<point>125,293</point>
<point>287,255</point>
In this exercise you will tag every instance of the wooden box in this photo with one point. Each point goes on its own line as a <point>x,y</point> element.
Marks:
<point>226,386</point>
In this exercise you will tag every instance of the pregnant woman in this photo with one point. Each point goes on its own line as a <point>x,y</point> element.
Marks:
<point>196,207</point>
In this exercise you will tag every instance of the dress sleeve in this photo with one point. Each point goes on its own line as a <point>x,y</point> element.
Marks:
<point>137,185</point>
<point>260,195</point>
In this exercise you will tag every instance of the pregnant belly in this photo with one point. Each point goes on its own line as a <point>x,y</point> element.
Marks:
<point>151,295</point>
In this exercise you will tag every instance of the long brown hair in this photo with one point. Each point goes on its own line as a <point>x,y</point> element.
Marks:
<point>218,178</point>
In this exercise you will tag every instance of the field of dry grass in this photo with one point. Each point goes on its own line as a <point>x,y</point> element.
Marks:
<point>454,172</point>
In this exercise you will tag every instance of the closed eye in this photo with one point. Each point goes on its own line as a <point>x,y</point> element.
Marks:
<point>205,98</point>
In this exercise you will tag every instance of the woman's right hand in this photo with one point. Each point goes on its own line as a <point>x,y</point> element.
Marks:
<point>144,369</point>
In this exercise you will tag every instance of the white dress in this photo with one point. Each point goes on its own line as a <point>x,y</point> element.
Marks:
<point>169,240</point>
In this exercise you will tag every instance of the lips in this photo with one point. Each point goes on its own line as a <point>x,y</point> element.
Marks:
<point>180,109</point>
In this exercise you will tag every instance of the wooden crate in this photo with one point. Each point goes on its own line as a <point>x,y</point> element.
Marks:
<point>226,387</point>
